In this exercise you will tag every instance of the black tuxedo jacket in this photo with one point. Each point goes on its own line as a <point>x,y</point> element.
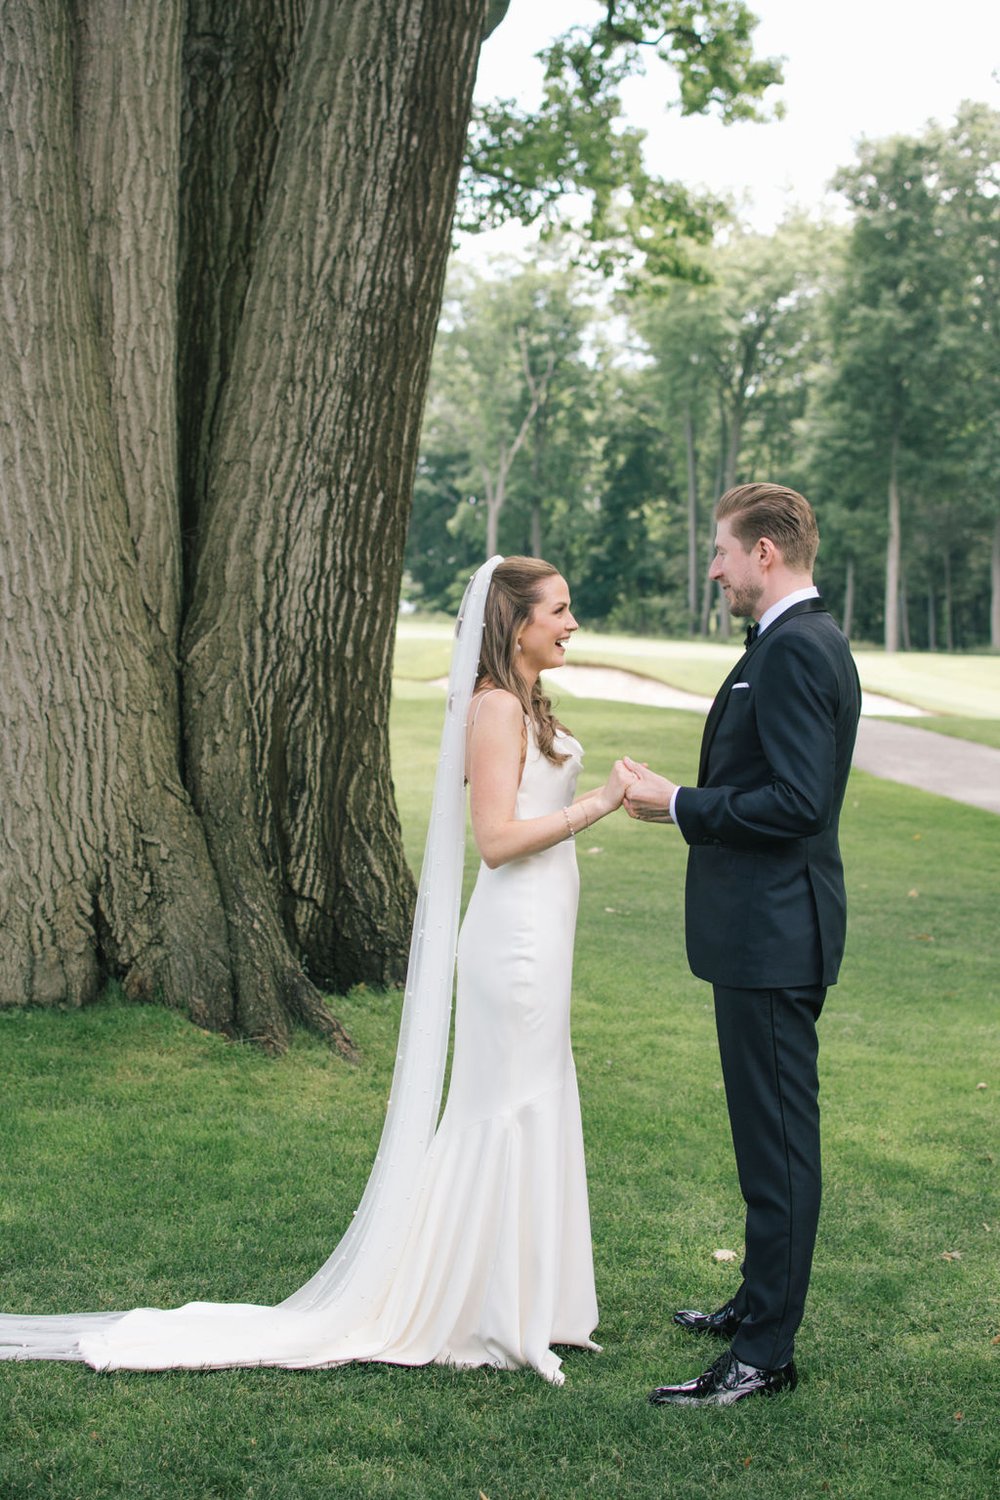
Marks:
<point>765,900</point>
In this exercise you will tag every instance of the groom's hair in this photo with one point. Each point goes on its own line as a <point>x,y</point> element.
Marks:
<point>774,511</point>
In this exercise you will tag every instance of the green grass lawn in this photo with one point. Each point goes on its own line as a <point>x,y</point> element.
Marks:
<point>144,1161</point>
<point>967,687</point>
<point>940,683</point>
<point>981,731</point>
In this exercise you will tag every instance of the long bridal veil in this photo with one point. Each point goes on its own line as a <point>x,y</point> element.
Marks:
<point>336,1315</point>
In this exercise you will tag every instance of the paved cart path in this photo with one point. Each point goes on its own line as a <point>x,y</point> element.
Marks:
<point>920,758</point>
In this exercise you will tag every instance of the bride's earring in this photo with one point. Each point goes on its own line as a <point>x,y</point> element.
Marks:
<point>519,646</point>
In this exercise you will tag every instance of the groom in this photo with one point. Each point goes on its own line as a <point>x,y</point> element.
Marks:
<point>766,912</point>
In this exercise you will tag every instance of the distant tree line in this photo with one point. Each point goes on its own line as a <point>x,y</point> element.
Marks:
<point>858,362</point>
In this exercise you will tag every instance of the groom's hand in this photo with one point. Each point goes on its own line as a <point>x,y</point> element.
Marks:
<point>648,796</point>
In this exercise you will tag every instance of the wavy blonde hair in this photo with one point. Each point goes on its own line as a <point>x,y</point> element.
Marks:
<point>515,589</point>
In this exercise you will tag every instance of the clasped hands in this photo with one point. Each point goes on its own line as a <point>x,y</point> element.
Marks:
<point>646,795</point>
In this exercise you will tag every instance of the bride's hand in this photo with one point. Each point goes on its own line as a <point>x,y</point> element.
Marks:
<point>613,790</point>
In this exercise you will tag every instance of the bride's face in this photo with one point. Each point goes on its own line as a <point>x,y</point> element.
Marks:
<point>543,640</point>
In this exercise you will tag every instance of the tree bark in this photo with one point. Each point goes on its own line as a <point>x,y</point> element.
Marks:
<point>731,431</point>
<point>733,449</point>
<point>316,225</point>
<point>538,449</point>
<point>847,624</point>
<point>906,640</point>
<point>238,56</point>
<point>692,519</point>
<point>496,489</point>
<point>126,73</point>
<point>892,551</point>
<point>103,867</point>
<point>536,529</point>
<point>708,589</point>
<point>309,493</point>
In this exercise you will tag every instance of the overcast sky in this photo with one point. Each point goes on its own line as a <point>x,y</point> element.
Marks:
<point>858,68</point>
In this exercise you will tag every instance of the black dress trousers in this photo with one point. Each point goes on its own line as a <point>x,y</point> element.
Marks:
<point>768,1046</point>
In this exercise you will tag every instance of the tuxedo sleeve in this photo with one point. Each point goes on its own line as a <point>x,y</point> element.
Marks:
<point>778,783</point>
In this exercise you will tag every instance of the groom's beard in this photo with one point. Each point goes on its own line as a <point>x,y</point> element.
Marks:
<point>743,601</point>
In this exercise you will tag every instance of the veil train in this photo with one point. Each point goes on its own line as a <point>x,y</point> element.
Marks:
<point>346,1310</point>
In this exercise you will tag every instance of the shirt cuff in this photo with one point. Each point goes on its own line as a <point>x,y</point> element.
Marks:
<point>673,806</point>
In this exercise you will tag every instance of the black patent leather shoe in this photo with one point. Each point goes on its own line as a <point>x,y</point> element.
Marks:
<point>722,1324</point>
<point>726,1382</point>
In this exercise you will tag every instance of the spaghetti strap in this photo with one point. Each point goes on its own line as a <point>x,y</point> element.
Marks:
<point>470,726</point>
<point>479,704</point>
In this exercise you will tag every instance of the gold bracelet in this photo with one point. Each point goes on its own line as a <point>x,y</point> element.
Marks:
<point>571,830</point>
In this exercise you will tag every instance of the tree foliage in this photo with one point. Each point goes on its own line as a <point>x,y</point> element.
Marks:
<point>522,164</point>
<point>509,364</point>
<point>910,400</point>
<point>858,362</point>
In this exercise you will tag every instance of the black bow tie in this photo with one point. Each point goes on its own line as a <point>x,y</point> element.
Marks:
<point>753,630</point>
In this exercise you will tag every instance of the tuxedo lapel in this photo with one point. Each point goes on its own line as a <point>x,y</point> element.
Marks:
<point>715,713</point>
<point>804,607</point>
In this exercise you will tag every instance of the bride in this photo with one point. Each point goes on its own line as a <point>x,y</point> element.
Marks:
<point>471,1245</point>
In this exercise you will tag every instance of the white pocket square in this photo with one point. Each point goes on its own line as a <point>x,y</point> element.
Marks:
<point>739,685</point>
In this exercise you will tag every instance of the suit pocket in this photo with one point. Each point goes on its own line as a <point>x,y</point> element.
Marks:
<point>736,732</point>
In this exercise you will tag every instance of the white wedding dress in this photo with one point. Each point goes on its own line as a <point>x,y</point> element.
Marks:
<point>477,1251</point>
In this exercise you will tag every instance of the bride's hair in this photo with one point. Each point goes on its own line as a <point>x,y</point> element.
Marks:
<point>515,589</point>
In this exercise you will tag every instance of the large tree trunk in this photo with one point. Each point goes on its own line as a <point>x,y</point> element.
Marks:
<point>995,587</point>
<point>103,866</point>
<point>316,224</point>
<point>309,495</point>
